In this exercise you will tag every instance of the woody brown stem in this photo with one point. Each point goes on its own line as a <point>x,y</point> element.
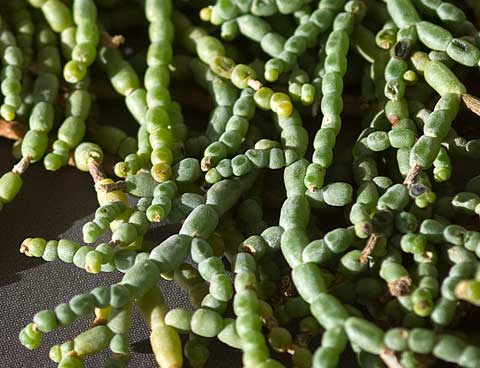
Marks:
<point>22,165</point>
<point>412,175</point>
<point>472,103</point>
<point>12,129</point>
<point>96,171</point>
<point>369,247</point>
<point>111,187</point>
<point>390,359</point>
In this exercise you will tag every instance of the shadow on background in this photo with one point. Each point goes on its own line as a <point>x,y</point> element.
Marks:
<point>48,205</point>
<point>142,347</point>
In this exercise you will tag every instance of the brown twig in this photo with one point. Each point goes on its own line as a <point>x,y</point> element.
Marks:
<point>14,130</point>
<point>412,175</point>
<point>111,187</point>
<point>96,171</point>
<point>369,247</point>
<point>390,359</point>
<point>472,103</point>
<point>112,41</point>
<point>22,165</point>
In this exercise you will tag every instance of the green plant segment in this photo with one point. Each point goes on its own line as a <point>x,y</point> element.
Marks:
<point>316,160</point>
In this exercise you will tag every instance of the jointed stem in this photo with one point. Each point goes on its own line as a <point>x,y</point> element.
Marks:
<point>254,84</point>
<point>412,175</point>
<point>96,171</point>
<point>111,187</point>
<point>369,247</point>
<point>472,103</point>
<point>390,359</point>
<point>22,165</point>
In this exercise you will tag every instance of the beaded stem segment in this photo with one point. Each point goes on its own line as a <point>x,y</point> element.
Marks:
<point>72,130</point>
<point>354,246</point>
<point>41,119</point>
<point>233,135</point>
<point>83,53</point>
<point>305,35</point>
<point>166,344</point>
<point>112,140</point>
<point>13,61</point>
<point>436,128</point>
<point>158,98</point>
<point>372,242</point>
<point>211,51</point>
<point>223,11</point>
<point>450,15</point>
<point>125,81</point>
<point>254,346</point>
<point>335,67</point>
<point>23,27</point>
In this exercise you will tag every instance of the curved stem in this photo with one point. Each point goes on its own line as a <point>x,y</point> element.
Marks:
<point>22,165</point>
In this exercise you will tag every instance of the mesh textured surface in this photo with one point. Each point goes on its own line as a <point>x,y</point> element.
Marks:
<point>52,206</point>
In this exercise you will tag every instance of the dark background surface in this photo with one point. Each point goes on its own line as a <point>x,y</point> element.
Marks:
<point>53,206</point>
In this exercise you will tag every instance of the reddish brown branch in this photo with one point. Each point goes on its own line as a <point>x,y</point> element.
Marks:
<point>369,247</point>
<point>14,130</point>
<point>96,171</point>
<point>472,103</point>
<point>22,165</point>
<point>412,175</point>
<point>111,187</point>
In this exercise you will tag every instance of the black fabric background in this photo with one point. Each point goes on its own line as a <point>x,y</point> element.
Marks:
<point>52,206</point>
